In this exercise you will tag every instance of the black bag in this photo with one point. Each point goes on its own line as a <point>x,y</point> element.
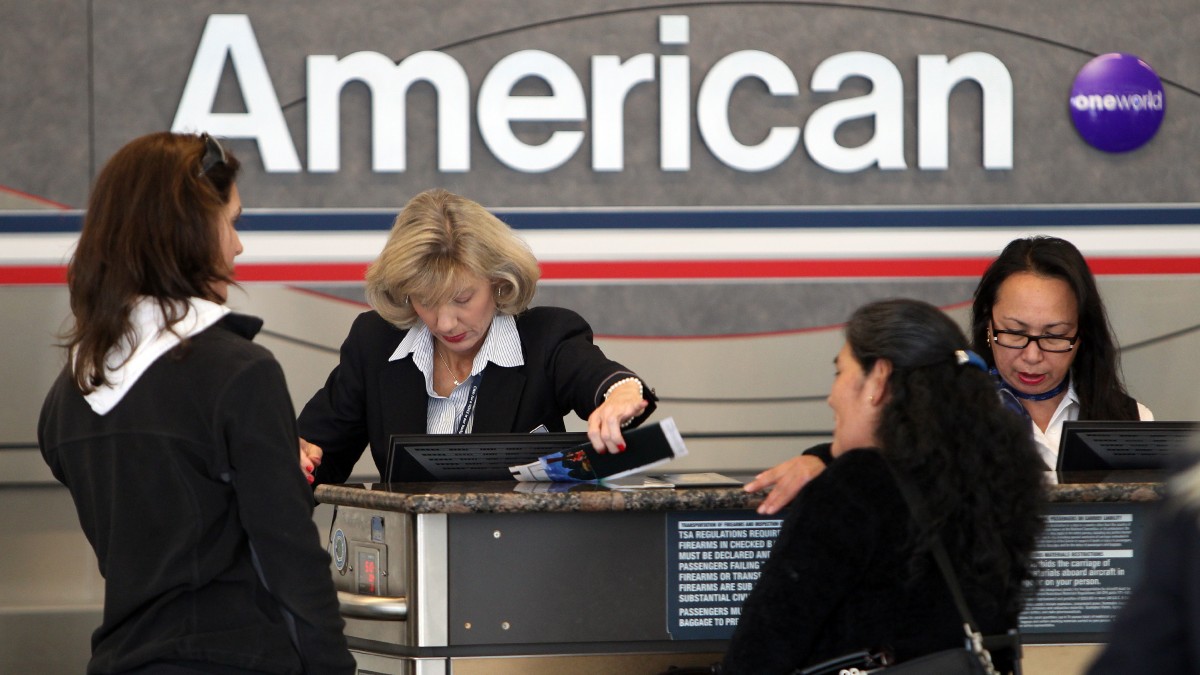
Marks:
<point>854,662</point>
<point>970,659</point>
<point>964,661</point>
<point>959,661</point>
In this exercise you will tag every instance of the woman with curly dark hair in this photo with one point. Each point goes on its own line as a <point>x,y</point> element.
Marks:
<point>1040,324</point>
<point>852,569</point>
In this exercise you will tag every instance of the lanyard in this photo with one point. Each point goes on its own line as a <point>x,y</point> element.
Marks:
<point>469,408</point>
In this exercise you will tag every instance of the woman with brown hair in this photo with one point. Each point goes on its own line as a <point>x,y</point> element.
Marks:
<point>176,436</point>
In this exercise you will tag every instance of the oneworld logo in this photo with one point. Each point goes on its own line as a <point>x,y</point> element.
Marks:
<point>1117,102</point>
<point>1151,100</point>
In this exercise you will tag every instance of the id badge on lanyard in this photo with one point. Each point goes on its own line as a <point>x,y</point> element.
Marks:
<point>465,420</point>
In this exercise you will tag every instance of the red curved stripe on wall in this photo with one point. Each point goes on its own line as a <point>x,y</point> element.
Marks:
<point>32,198</point>
<point>641,270</point>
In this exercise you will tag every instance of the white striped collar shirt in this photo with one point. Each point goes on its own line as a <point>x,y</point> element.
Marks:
<point>501,346</point>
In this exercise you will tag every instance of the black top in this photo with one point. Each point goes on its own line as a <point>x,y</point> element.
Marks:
<point>177,488</point>
<point>839,580</point>
<point>367,398</point>
<point>1158,629</point>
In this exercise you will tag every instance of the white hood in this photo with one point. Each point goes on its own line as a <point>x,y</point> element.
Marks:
<point>152,342</point>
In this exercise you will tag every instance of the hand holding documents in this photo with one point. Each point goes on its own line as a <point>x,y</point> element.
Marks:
<point>645,447</point>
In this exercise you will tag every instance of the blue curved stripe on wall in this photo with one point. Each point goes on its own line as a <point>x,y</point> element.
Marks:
<point>599,219</point>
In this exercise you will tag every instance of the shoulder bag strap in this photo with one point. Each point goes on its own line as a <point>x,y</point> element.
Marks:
<point>917,508</point>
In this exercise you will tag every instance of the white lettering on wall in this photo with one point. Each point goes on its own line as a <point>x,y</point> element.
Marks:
<point>674,97</point>
<point>611,83</point>
<point>498,109</point>
<point>936,77</point>
<point>712,110</point>
<point>501,112</point>
<point>389,84</point>
<point>232,35</point>
<point>885,103</point>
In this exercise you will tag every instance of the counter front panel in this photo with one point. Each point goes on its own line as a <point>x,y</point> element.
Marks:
<point>550,570</point>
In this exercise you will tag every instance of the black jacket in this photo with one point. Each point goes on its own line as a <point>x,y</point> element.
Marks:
<point>838,580</point>
<point>1158,629</point>
<point>177,488</point>
<point>367,398</point>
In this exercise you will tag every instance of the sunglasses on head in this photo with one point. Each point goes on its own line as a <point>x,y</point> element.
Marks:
<point>214,154</point>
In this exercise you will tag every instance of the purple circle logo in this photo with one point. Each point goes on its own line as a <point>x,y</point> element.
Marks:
<point>1117,102</point>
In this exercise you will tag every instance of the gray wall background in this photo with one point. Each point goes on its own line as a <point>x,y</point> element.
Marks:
<point>81,78</point>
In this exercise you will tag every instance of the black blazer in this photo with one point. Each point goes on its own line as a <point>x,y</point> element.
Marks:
<point>367,398</point>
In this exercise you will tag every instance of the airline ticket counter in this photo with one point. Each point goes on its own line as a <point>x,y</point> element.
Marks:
<point>498,578</point>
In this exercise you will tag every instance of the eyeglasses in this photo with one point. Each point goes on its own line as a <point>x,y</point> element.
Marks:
<point>1017,340</point>
<point>214,154</point>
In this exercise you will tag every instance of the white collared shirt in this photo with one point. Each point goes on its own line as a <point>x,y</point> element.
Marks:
<point>1068,409</point>
<point>501,346</point>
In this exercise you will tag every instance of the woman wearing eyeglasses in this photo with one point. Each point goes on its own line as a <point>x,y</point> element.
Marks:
<point>176,437</point>
<point>1039,322</point>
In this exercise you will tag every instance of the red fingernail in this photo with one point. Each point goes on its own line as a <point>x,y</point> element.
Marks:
<point>621,448</point>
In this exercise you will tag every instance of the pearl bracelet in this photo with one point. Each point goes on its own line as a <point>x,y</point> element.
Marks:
<point>641,392</point>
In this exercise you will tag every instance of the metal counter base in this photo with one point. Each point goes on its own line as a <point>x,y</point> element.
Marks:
<point>373,663</point>
<point>486,578</point>
<point>508,592</point>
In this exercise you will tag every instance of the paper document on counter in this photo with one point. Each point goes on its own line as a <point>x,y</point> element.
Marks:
<point>645,447</point>
<point>672,480</point>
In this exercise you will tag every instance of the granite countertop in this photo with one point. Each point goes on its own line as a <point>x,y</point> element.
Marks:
<point>511,497</point>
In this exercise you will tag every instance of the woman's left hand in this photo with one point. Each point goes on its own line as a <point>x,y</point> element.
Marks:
<point>624,403</point>
<point>785,480</point>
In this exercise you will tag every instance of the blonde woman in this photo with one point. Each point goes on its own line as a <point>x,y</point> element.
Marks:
<point>452,346</point>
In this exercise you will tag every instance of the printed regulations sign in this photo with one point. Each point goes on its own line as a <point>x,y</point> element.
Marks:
<point>1086,565</point>
<point>713,560</point>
